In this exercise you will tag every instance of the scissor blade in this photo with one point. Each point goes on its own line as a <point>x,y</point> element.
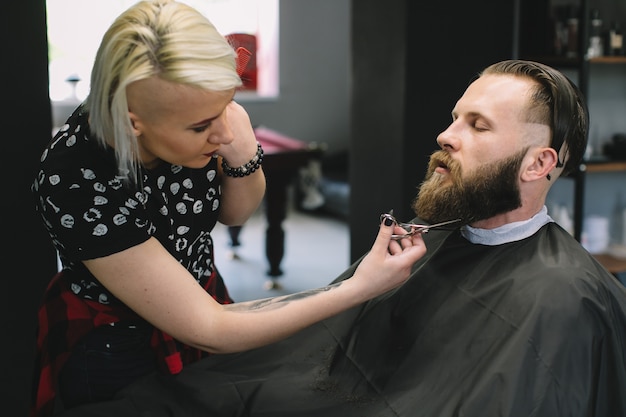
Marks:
<point>425,228</point>
<point>421,228</point>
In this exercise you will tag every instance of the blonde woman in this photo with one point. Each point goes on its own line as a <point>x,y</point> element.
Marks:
<point>130,189</point>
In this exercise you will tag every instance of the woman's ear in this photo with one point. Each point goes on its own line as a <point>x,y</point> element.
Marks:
<point>544,161</point>
<point>135,123</point>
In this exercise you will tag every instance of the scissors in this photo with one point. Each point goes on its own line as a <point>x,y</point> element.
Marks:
<point>412,228</point>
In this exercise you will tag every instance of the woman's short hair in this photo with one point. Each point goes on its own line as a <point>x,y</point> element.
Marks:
<point>161,38</point>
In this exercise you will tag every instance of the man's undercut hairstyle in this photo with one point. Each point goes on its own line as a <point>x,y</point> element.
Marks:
<point>556,102</point>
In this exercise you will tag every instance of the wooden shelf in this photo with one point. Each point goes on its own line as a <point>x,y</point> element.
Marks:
<point>612,264</point>
<point>565,62</point>
<point>608,60</point>
<point>607,166</point>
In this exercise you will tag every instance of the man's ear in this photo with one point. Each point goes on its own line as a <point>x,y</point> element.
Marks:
<point>544,161</point>
<point>135,123</point>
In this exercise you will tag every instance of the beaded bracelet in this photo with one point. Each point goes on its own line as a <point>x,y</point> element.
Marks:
<point>247,168</point>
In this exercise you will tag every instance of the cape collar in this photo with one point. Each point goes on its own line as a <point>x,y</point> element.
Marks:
<point>509,232</point>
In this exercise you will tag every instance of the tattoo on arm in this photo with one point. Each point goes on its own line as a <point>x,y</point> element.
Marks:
<point>278,302</point>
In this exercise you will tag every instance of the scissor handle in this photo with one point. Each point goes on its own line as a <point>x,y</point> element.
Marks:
<point>412,228</point>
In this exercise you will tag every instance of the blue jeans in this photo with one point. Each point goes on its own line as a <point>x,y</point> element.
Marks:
<point>107,360</point>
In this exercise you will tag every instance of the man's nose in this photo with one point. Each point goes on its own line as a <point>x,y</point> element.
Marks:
<point>447,139</point>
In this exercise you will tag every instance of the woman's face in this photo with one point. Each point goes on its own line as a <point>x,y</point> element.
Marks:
<point>177,123</point>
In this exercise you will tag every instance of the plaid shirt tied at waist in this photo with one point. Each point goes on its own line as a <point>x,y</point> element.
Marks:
<point>65,318</point>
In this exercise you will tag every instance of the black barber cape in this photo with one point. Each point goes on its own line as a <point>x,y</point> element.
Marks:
<point>529,328</point>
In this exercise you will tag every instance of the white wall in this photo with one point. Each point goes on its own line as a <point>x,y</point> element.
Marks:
<point>314,100</point>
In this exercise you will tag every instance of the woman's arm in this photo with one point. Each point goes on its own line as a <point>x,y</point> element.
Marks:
<point>152,283</point>
<point>241,196</point>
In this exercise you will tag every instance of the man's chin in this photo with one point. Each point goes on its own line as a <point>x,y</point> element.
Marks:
<point>430,214</point>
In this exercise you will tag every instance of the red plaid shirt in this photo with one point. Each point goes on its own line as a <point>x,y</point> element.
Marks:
<point>64,319</point>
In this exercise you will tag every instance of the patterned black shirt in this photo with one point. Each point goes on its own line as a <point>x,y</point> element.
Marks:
<point>90,211</point>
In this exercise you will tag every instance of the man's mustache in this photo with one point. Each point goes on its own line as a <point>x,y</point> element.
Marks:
<point>443,159</point>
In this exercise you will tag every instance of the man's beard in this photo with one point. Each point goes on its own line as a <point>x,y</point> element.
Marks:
<point>492,189</point>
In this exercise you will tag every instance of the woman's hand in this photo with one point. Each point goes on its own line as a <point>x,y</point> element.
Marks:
<point>389,262</point>
<point>243,146</point>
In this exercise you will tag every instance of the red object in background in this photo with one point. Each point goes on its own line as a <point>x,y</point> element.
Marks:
<point>274,142</point>
<point>244,40</point>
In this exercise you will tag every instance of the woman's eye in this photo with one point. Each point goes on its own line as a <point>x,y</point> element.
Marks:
<point>200,129</point>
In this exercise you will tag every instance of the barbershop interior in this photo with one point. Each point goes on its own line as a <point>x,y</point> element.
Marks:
<point>350,96</point>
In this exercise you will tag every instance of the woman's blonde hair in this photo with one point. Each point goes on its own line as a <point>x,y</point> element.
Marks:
<point>154,37</point>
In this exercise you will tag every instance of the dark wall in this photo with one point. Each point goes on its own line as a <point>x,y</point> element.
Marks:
<point>411,62</point>
<point>27,257</point>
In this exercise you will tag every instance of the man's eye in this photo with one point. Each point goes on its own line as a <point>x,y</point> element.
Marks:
<point>481,128</point>
<point>200,129</point>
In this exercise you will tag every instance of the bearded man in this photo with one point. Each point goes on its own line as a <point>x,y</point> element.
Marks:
<point>507,315</point>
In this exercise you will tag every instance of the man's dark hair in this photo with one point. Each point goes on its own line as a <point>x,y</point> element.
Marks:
<point>557,103</point>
